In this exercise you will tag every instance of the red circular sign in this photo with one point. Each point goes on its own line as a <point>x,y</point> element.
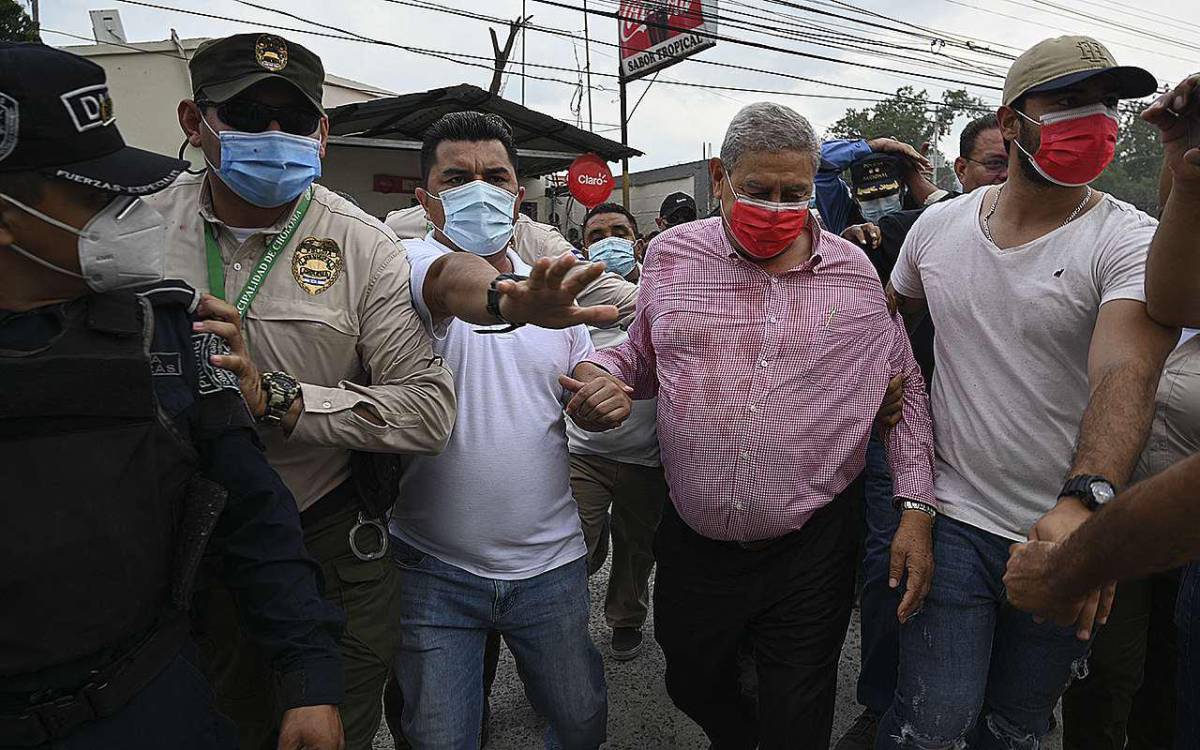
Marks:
<point>590,180</point>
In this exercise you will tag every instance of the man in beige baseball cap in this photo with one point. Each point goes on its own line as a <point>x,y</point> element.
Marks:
<point>1066,61</point>
<point>1047,365</point>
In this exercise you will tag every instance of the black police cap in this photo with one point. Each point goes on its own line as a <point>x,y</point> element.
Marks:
<point>57,118</point>
<point>223,68</point>
<point>876,176</point>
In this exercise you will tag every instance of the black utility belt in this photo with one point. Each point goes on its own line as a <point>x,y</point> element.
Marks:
<point>345,498</point>
<point>51,716</point>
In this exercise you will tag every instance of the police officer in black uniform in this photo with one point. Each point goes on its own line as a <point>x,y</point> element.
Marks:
<point>125,454</point>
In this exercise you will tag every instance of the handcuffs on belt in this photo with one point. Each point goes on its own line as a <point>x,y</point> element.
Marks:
<point>380,529</point>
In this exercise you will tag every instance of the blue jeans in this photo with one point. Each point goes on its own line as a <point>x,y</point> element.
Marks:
<point>1187,619</point>
<point>445,616</point>
<point>974,671</point>
<point>880,626</point>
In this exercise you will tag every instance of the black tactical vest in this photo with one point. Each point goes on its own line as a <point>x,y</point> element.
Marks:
<point>93,477</point>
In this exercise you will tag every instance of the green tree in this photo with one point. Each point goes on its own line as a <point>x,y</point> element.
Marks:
<point>15,24</point>
<point>910,116</point>
<point>1133,175</point>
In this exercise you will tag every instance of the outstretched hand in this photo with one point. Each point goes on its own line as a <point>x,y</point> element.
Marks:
<point>547,297</point>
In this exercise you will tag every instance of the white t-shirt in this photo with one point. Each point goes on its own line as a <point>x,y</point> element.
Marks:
<point>636,440</point>
<point>497,502</point>
<point>1013,331</point>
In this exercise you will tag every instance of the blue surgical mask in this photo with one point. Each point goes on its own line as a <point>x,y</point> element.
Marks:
<point>479,217</point>
<point>268,169</point>
<point>616,252</point>
<point>874,210</point>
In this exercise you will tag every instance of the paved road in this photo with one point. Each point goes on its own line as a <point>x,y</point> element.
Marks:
<point>641,716</point>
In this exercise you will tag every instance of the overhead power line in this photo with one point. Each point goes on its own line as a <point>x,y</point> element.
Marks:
<point>768,47</point>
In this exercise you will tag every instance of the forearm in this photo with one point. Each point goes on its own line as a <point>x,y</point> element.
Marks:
<point>275,582</point>
<point>1173,266</point>
<point>628,363</point>
<point>456,287</point>
<point>1148,528</point>
<point>1117,420</point>
<point>909,444</point>
<point>417,413</point>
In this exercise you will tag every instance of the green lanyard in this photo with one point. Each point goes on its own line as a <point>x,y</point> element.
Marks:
<point>216,269</point>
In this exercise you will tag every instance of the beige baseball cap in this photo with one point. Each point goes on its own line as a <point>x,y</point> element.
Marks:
<point>1065,61</point>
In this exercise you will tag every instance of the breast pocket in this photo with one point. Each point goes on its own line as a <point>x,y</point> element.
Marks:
<point>305,336</point>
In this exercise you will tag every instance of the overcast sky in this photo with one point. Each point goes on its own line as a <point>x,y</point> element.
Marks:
<point>673,122</point>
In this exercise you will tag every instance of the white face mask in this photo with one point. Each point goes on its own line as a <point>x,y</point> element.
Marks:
<point>123,245</point>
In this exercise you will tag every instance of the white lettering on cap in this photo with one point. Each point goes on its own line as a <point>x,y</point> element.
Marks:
<point>90,107</point>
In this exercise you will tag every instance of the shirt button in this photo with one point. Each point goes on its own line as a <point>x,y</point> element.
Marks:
<point>737,506</point>
<point>237,266</point>
<point>773,319</point>
<point>745,455</point>
<point>774,280</point>
<point>753,407</point>
<point>327,404</point>
<point>763,363</point>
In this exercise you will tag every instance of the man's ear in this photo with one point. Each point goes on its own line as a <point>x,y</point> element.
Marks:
<point>1010,123</point>
<point>517,205</point>
<point>960,166</point>
<point>716,172</point>
<point>324,134</point>
<point>189,121</point>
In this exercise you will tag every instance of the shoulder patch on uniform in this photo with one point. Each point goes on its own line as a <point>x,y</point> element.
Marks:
<point>165,364</point>
<point>212,379</point>
<point>171,292</point>
<point>317,264</point>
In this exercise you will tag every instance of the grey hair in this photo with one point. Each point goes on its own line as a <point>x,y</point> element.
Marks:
<point>771,128</point>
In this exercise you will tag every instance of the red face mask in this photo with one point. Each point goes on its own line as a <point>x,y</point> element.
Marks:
<point>765,229</point>
<point>1077,145</point>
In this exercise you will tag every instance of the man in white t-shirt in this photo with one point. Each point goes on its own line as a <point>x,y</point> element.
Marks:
<point>1047,365</point>
<point>486,534</point>
<point>619,469</point>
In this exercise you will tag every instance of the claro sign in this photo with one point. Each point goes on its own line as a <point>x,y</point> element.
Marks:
<point>658,33</point>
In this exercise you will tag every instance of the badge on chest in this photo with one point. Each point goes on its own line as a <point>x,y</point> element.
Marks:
<point>317,264</point>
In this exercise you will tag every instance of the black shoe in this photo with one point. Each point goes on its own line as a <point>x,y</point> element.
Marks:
<point>860,736</point>
<point>626,643</point>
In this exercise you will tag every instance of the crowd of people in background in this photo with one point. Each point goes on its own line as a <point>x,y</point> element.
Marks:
<point>254,507</point>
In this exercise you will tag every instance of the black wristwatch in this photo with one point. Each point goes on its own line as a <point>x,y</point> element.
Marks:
<point>281,389</point>
<point>1092,490</point>
<point>493,303</point>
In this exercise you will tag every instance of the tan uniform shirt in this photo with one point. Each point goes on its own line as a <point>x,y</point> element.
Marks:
<point>531,241</point>
<point>348,332</point>
<point>1175,433</point>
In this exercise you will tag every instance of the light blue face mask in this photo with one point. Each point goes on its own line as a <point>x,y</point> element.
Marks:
<point>616,252</point>
<point>479,216</point>
<point>267,169</point>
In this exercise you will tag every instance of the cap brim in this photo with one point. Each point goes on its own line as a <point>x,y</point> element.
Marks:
<point>223,92</point>
<point>1133,82</point>
<point>128,170</point>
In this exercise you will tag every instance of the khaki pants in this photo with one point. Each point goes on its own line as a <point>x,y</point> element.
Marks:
<point>636,495</point>
<point>370,595</point>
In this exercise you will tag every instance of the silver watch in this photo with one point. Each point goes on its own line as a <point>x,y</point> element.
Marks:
<point>903,504</point>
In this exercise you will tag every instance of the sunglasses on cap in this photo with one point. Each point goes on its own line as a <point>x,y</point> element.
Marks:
<point>254,117</point>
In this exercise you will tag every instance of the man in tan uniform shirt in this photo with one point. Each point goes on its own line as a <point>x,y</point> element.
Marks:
<point>333,313</point>
<point>533,240</point>
<point>330,353</point>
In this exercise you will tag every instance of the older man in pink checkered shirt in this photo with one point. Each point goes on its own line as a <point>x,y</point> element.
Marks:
<point>769,345</point>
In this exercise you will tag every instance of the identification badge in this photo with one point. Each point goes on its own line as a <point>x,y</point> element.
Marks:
<point>317,264</point>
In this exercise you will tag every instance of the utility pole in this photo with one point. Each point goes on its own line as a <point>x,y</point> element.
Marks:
<point>500,55</point>
<point>33,10</point>
<point>587,58</point>
<point>524,44</point>
<point>624,142</point>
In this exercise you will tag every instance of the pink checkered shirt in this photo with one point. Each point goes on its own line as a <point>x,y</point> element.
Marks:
<point>768,386</point>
